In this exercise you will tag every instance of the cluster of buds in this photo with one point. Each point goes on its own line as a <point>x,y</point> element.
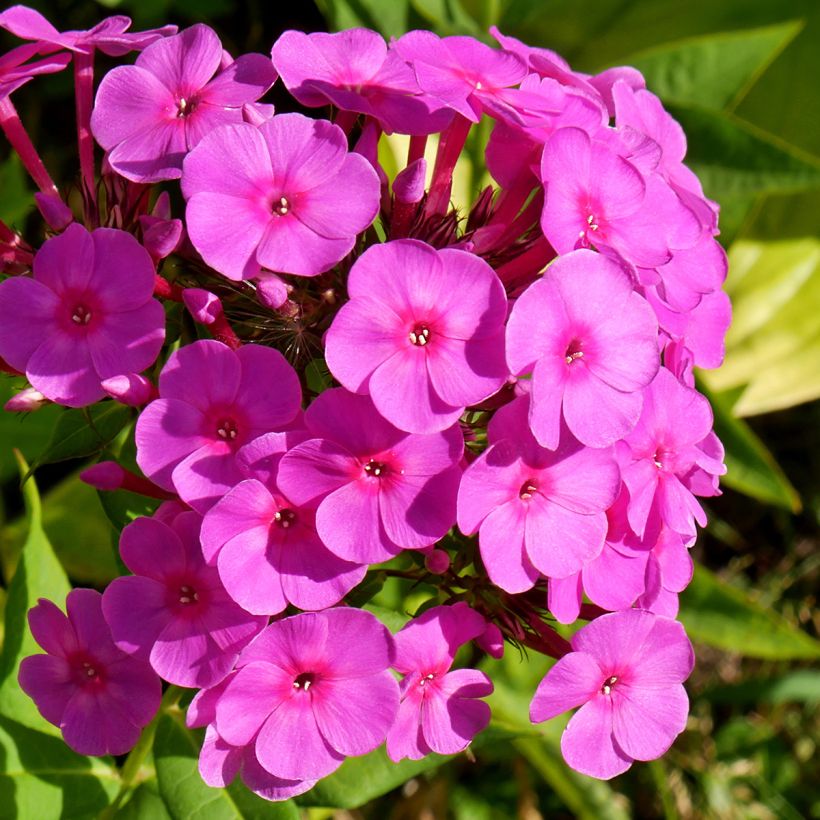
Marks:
<point>509,418</point>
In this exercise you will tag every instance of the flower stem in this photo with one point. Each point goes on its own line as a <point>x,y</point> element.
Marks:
<point>21,142</point>
<point>84,94</point>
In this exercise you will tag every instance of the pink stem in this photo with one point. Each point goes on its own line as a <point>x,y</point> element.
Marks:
<point>166,290</point>
<point>416,148</point>
<point>84,94</point>
<point>449,148</point>
<point>345,120</point>
<point>21,142</point>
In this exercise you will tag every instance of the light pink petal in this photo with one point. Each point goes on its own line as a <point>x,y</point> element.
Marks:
<point>152,155</point>
<point>549,383</point>
<point>615,581</point>
<point>130,100</point>
<point>249,698</point>
<point>245,80</point>
<point>406,739</point>
<point>227,230</point>
<point>465,373</point>
<point>266,785</point>
<point>50,683</point>
<point>128,342</point>
<point>219,762</point>
<point>373,651</point>
<point>449,721</point>
<point>558,541</point>
<point>573,680</point>
<point>313,469</point>
<point>290,246</point>
<point>564,596</point>
<point>665,659</point>
<point>61,368</point>
<point>292,644</point>
<point>184,63</point>
<point>615,640</point>
<point>344,205</point>
<point>585,481</point>
<point>596,413</point>
<point>290,744</point>
<point>645,723</point>
<point>349,523</point>
<point>27,308</point>
<point>167,431</point>
<point>210,365</point>
<point>204,476</point>
<point>501,539</point>
<point>588,744</point>
<point>401,390</point>
<point>135,688</point>
<point>270,402</point>
<point>136,608</point>
<point>493,479</point>
<point>354,715</point>
<point>123,274</point>
<point>239,147</point>
<point>250,569</point>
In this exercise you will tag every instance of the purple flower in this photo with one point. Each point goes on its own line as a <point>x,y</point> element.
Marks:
<point>663,458</point>
<point>213,400</point>
<point>266,547</point>
<point>174,610</point>
<point>16,72</point>
<point>86,314</point>
<point>110,36</point>
<point>378,489</point>
<point>591,344</point>
<point>286,196</point>
<point>422,333</point>
<point>536,510</point>
<point>312,689</point>
<point>626,672</point>
<point>354,71</point>
<point>439,711</point>
<point>149,115</point>
<point>98,696</point>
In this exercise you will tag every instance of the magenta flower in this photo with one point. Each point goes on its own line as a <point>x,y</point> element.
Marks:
<point>149,115</point>
<point>86,314</point>
<point>286,196</point>
<point>663,457</point>
<point>312,689</point>
<point>594,197</point>
<point>591,344</point>
<point>266,547</point>
<point>440,711</point>
<point>424,341</point>
<point>98,696</point>
<point>213,400</point>
<point>16,72</point>
<point>354,71</point>
<point>626,672</point>
<point>174,611</point>
<point>460,71</point>
<point>378,489</point>
<point>111,36</point>
<point>535,510</point>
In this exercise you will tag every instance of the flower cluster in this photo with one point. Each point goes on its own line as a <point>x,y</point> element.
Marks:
<point>330,369</point>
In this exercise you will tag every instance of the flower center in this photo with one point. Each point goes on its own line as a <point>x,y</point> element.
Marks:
<point>377,469</point>
<point>185,107</point>
<point>606,688</point>
<point>573,351</point>
<point>227,430</point>
<point>426,679</point>
<point>304,681</point>
<point>81,315</point>
<point>420,335</point>
<point>527,489</point>
<point>282,207</point>
<point>284,518</point>
<point>88,670</point>
<point>187,595</point>
<point>592,222</point>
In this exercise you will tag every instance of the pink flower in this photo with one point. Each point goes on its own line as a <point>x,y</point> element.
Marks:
<point>626,672</point>
<point>110,36</point>
<point>16,72</point>
<point>662,458</point>
<point>213,400</point>
<point>286,196</point>
<point>174,610</point>
<point>536,510</point>
<point>98,696</point>
<point>376,489</point>
<point>354,71</point>
<point>440,711</point>
<point>149,115</point>
<point>86,314</point>
<point>312,689</point>
<point>422,333</point>
<point>266,547</point>
<point>591,344</point>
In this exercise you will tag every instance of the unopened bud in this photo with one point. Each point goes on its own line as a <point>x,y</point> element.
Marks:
<point>55,212</point>
<point>129,388</point>
<point>492,641</point>
<point>26,401</point>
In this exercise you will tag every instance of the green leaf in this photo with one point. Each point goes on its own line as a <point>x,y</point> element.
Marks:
<point>42,778</point>
<point>391,19</point>
<point>710,71</point>
<point>85,432</point>
<point>751,468</point>
<point>176,751</point>
<point>734,157</point>
<point>800,686</point>
<point>449,17</point>
<point>17,200</point>
<point>360,779</point>
<point>145,803</point>
<point>122,507</point>
<point>773,345</point>
<point>721,615</point>
<point>38,575</point>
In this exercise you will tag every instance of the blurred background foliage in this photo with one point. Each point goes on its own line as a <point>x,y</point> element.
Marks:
<point>742,77</point>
